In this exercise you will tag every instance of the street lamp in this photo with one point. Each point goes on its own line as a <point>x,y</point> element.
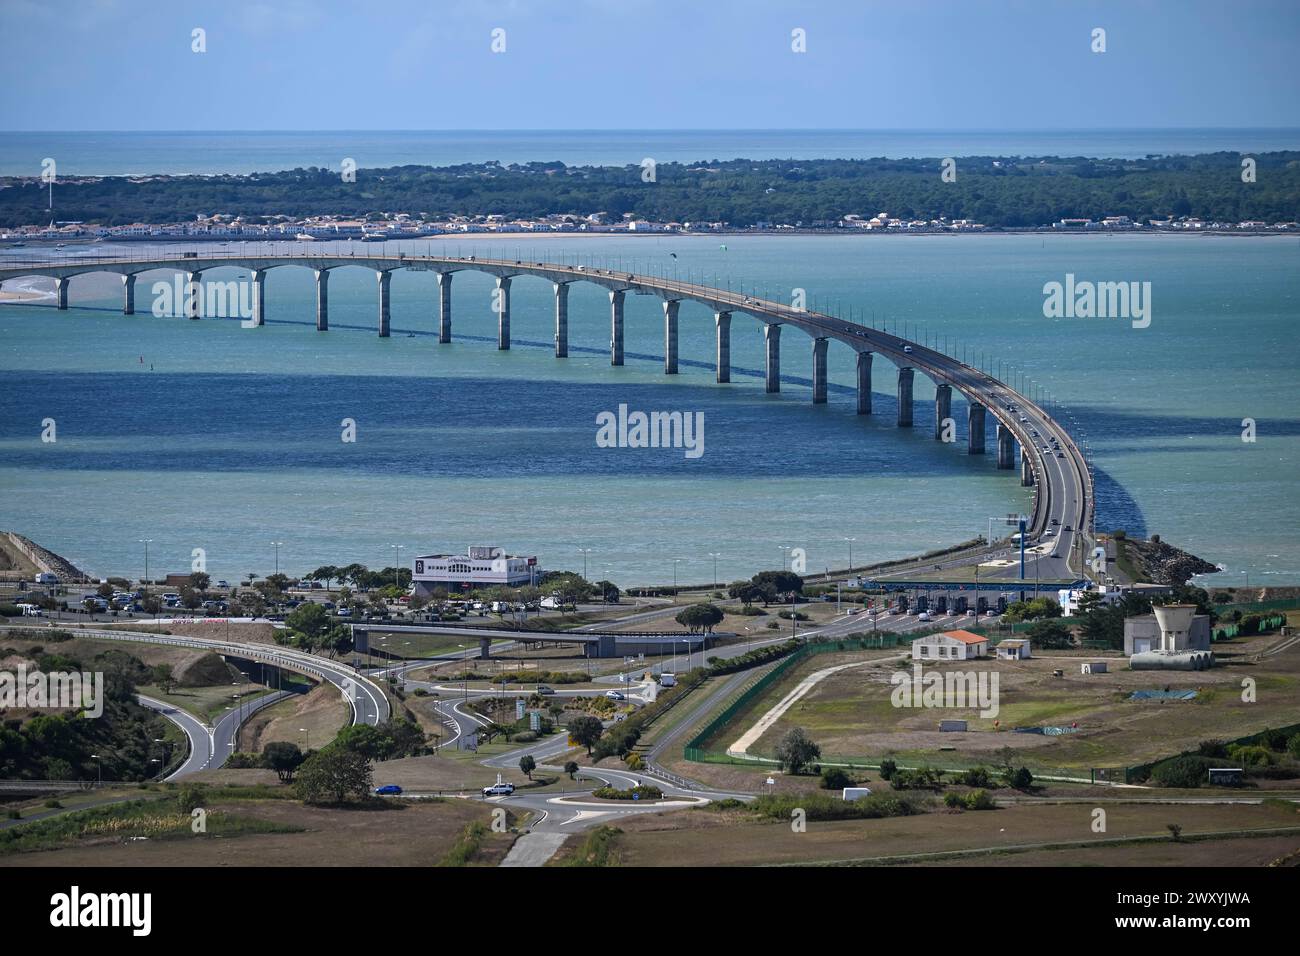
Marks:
<point>397,570</point>
<point>584,552</point>
<point>145,542</point>
<point>675,562</point>
<point>850,541</point>
<point>715,555</point>
<point>277,555</point>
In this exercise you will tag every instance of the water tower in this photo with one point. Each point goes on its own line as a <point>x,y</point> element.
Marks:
<point>1175,622</point>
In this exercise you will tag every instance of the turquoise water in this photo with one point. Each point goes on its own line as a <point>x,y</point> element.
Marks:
<point>233,151</point>
<point>228,439</point>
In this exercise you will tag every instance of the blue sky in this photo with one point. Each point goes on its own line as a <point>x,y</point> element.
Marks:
<point>647,64</point>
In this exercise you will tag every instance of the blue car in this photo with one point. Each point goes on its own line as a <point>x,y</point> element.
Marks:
<point>391,790</point>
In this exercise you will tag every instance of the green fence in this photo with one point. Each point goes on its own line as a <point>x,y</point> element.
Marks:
<point>1222,633</point>
<point>695,746</point>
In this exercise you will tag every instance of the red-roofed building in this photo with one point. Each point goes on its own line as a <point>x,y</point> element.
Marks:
<point>950,646</point>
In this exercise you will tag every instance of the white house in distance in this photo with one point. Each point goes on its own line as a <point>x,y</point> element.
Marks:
<point>482,566</point>
<point>950,646</point>
<point>1013,649</point>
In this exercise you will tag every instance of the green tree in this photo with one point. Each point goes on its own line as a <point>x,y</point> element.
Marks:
<point>284,758</point>
<point>334,775</point>
<point>586,730</point>
<point>200,581</point>
<point>700,617</point>
<point>796,751</point>
<point>1049,634</point>
<point>571,768</point>
<point>527,764</point>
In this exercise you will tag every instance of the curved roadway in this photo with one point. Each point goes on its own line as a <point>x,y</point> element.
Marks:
<point>1063,486</point>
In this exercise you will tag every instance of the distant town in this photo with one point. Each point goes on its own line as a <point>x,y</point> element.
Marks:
<point>407,226</point>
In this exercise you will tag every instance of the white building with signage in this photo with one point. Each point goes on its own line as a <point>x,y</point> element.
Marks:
<point>481,566</point>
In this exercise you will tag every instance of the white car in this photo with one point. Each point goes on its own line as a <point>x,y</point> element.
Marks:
<point>499,790</point>
<point>615,695</point>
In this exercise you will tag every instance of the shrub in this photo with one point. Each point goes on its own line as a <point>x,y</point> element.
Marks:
<point>887,769</point>
<point>1251,755</point>
<point>953,800</point>
<point>634,761</point>
<point>643,792</point>
<point>1187,772</point>
<point>524,737</point>
<point>979,800</point>
<point>978,777</point>
<point>1019,779</point>
<point>1212,748</point>
<point>923,778</point>
<point>835,778</point>
<point>823,806</point>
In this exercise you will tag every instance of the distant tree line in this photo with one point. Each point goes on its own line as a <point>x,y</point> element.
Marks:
<point>997,191</point>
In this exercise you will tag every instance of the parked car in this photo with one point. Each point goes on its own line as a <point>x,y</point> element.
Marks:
<point>388,790</point>
<point>499,790</point>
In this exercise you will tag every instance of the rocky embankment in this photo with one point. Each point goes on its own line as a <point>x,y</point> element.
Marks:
<point>1162,563</point>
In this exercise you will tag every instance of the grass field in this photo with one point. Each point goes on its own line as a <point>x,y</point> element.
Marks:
<point>851,716</point>
<point>734,838</point>
<point>387,834</point>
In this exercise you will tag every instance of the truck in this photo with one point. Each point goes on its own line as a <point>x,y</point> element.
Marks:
<point>667,680</point>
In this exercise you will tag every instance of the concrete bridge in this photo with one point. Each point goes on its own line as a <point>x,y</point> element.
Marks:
<point>1062,481</point>
<point>594,643</point>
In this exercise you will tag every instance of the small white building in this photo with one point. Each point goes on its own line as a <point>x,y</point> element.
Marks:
<point>1014,649</point>
<point>481,566</point>
<point>950,646</point>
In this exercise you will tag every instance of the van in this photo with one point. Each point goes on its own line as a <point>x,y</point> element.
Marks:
<point>46,577</point>
<point>667,680</point>
<point>855,793</point>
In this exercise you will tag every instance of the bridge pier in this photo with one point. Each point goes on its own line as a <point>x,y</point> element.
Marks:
<point>484,648</point>
<point>864,383</point>
<point>1006,448</point>
<point>723,322</point>
<point>616,327</point>
<point>942,409</point>
<point>772,338</point>
<point>905,376</point>
<point>975,429</point>
<point>444,307</point>
<point>819,371</point>
<point>61,291</point>
<point>670,335</point>
<point>322,300</point>
<point>1026,469</point>
<point>384,278</point>
<point>193,294</point>
<point>128,295</point>
<point>502,303</point>
<point>561,320</point>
